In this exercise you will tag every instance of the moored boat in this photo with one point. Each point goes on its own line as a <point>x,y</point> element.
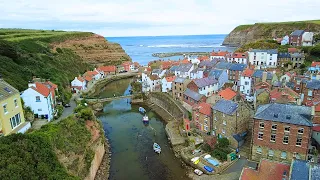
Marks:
<point>142,110</point>
<point>145,119</point>
<point>156,148</point>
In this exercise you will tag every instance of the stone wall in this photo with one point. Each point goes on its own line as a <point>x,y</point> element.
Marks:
<point>95,164</point>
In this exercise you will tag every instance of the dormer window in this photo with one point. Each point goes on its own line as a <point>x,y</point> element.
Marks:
<point>275,115</point>
<point>288,116</point>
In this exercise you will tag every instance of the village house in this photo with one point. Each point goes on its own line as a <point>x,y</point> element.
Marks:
<point>120,68</point>
<point>95,75</point>
<point>298,83</point>
<point>284,95</point>
<point>53,89</point>
<point>158,72</point>
<point>283,59</point>
<point>295,38</point>
<point>11,112</point>
<point>39,98</point>
<point>218,55</point>
<point>221,75</point>
<point>184,70</point>
<point>78,84</point>
<point>281,132</point>
<point>202,117</point>
<point>246,82</point>
<point>128,66</point>
<point>287,77</point>
<point>179,86</point>
<point>261,94</point>
<point>307,38</point>
<point>89,80</point>
<point>285,40</point>
<point>166,83</point>
<point>297,59</point>
<point>263,58</point>
<point>231,120</point>
<point>193,60</point>
<point>107,70</point>
<point>196,73</point>
<point>207,64</point>
<point>315,67</point>
<point>206,86</point>
<point>267,170</point>
<point>150,83</point>
<point>311,90</point>
<point>191,97</point>
<point>241,58</point>
<point>262,76</point>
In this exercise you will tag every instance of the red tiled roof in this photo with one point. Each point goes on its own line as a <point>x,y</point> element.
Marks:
<point>248,72</point>
<point>237,55</point>
<point>283,93</point>
<point>317,108</point>
<point>170,78</point>
<point>203,58</point>
<point>77,87</point>
<point>314,64</point>
<point>126,63</point>
<point>42,89</point>
<point>88,78</point>
<point>185,61</point>
<point>92,73</point>
<point>227,94</point>
<point>80,79</point>
<point>267,170</point>
<point>316,128</point>
<point>292,50</point>
<point>52,84</point>
<point>107,68</point>
<point>262,85</point>
<point>204,108</point>
<point>219,53</point>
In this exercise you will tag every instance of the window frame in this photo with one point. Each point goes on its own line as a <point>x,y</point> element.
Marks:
<point>5,108</point>
<point>260,134</point>
<point>275,136</point>
<point>287,130</point>
<point>257,150</point>
<point>300,130</point>
<point>299,139</point>
<point>15,101</point>
<point>284,139</point>
<point>261,127</point>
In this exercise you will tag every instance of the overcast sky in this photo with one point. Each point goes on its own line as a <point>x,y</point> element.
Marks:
<point>151,17</point>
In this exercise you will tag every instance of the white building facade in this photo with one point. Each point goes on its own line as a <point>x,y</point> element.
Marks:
<point>263,58</point>
<point>307,38</point>
<point>78,84</point>
<point>245,85</point>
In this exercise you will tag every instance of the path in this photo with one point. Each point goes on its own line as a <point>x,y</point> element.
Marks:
<point>108,99</point>
<point>238,166</point>
<point>69,110</point>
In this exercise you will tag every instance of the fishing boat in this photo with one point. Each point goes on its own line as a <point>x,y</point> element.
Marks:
<point>142,110</point>
<point>145,119</point>
<point>156,148</point>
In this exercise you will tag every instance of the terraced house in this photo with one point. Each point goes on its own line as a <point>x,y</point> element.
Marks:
<point>11,111</point>
<point>179,86</point>
<point>281,132</point>
<point>202,117</point>
<point>230,120</point>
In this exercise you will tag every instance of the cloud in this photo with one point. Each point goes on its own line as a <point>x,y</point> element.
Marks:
<point>149,17</point>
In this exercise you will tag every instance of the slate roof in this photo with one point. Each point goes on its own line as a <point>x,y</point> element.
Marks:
<point>196,70</point>
<point>299,170</point>
<point>284,55</point>
<point>269,51</point>
<point>285,113</point>
<point>297,55</point>
<point>208,64</point>
<point>6,90</point>
<point>157,71</point>
<point>216,73</point>
<point>225,106</point>
<point>194,95</point>
<point>184,67</point>
<point>179,80</point>
<point>297,33</point>
<point>258,74</point>
<point>173,68</point>
<point>315,172</point>
<point>223,65</point>
<point>313,84</point>
<point>205,82</point>
<point>237,67</point>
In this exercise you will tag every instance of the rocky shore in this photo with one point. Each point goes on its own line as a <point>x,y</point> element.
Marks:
<point>163,55</point>
<point>103,171</point>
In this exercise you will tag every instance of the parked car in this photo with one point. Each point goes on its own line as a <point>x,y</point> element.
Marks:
<point>67,105</point>
<point>198,172</point>
<point>249,98</point>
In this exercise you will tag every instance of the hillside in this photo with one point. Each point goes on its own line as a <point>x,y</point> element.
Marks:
<point>55,55</point>
<point>250,33</point>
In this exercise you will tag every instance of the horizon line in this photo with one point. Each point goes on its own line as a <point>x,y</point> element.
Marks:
<point>163,35</point>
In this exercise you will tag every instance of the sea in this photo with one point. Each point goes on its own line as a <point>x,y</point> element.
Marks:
<point>141,48</point>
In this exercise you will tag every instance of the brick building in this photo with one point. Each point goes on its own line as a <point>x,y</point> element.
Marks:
<point>281,132</point>
<point>295,38</point>
<point>230,120</point>
<point>179,85</point>
<point>202,117</point>
<point>311,90</point>
<point>206,86</point>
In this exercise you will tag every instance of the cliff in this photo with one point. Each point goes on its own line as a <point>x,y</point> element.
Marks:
<point>95,49</point>
<point>250,33</point>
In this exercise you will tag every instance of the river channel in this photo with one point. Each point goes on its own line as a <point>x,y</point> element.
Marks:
<point>131,141</point>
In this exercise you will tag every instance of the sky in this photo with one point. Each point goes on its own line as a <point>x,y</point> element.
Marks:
<point>114,18</point>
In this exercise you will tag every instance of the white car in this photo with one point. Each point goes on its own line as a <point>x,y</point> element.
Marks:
<point>198,172</point>
<point>249,98</point>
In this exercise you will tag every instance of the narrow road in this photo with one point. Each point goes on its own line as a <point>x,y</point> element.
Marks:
<point>69,110</point>
<point>237,166</point>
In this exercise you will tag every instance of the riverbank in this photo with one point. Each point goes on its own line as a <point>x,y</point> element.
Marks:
<point>171,54</point>
<point>104,168</point>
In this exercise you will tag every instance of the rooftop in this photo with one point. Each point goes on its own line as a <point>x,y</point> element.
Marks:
<point>313,84</point>
<point>6,90</point>
<point>284,55</point>
<point>285,113</point>
<point>223,65</point>
<point>204,108</point>
<point>194,95</point>
<point>238,67</point>
<point>227,94</point>
<point>179,80</point>
<point>297,33</point>
<point>314,64</point>
<point>258,74</point>
<point>170,78</point>
<point>219,53</point>
<point>299,170</point>
<point>107,68</point>
<point>205,82</point>
<point>216,73</point>
<point>184,67</point>
<point>268,51</point>
<point>41,88</point>
<point>225,106</point>
<point>248,72</point>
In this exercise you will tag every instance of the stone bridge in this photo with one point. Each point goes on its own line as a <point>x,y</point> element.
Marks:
<point>101,100</point>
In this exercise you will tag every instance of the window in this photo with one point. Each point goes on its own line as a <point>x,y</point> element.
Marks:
<point>15,103</point>
<point>299,141</point>
<point>5,110</point>
<point>224,122</point>
<point>15,121</point>
<point>259,150</point>
<point>287,129</point>
<point>215,111</point>
<point>300,131</point>
<point>271,152</point>
<point>298,156</point>
<point>274,127</point>
<point>273,138</point>
<point>223,131</point>
<point>283,155</point>
<point>37,98</point>
<point>206,128</point>
<point>261,125</point>
<point>285,139</point>
<point>260,135</point>
<point>246,83</point>
<point>309,92</point>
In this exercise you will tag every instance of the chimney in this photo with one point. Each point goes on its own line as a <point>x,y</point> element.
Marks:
<point>264,76</point>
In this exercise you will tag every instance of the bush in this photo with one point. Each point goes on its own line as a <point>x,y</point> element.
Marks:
<point>223,143</point>
<point>220,154</point>
<point>78,108</point>
<point>86,114</point>
<point>206,147</point>
<point>59,110</point>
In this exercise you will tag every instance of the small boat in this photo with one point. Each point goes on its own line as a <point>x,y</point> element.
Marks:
<point>198,172</point>
<point>208,168</point>
<point>145,119</point>
<point>156,148</point>
<point>142,110</point>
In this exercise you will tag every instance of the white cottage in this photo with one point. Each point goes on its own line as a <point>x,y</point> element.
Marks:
<point>166,83</point>
<point>246,82</point>
<point>184,70</point>
<point>263,58</point>
<point>39,98</point>
<point>78,84</point>
<point>307,38</point>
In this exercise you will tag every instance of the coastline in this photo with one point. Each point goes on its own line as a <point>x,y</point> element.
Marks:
<point>164,55</point>
<point>104,168</point>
